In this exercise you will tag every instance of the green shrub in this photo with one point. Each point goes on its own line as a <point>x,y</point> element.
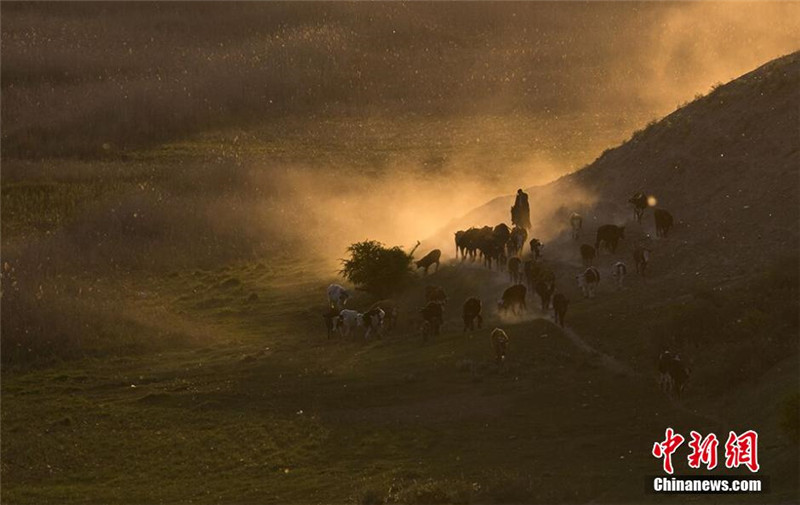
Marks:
<point>377,269</point>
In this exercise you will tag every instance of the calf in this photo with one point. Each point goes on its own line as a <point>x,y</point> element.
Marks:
<point>588,281</point>
<point>618,272</point>
<point>609,235</point>
<point>641,257</point>
<point>588,254</point>
<point>673,373</point>
<point>513,298</point>
<point>560,305</point>
<point>514,269</point>
<point>390,310</point>
<point>373,321</point>
<point>472,314</point>
<point>348,321</point>
<point>435,294</point>
<point>433,317</point>
<point>545,291</point>
<point>337,296</point>
<point>663,222</point>
<point>576,223</point>
<point>499,345</point>
<point>432,258</point>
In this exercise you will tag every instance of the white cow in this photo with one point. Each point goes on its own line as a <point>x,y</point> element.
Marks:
<point>618,272</point>
<point>348,321</point>
<point>588,281</point>
<point>337,296</point>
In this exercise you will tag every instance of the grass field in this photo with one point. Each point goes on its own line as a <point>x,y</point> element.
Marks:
<point>162,338</point>
<point>229,391</point>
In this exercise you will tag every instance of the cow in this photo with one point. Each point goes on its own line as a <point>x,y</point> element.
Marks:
<point>472,314</point>
<point>536,248</point>
<point>373,321</point>
<point>673,373</point>
<point>461,243</point>
<point>609,235</point>
<point>663,222</point>
<point>560,305</point>
<point>348,321</point>
<point>389,308</point>
<point>530,269</point>
<point>545,291</point>
<point>482,239</point>
<point>469,242</point>
<point>588,254</point>
<point>513,297</point>
<point>588,281</point>
<point>641,257</point>
<point>640,203</point>
<point>435,294</point>
<point>433,317</point>
<point>501,233</point>
<point>514,272</point>
<point>330,319</point>
<point>576,223</point>
<point>618,271</point>
<point>516,242</point>
<point>432,258</point>
<point>499,340</point>
<point>337,296</point>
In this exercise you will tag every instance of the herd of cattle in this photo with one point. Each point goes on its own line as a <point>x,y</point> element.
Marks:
<point>503,247</point>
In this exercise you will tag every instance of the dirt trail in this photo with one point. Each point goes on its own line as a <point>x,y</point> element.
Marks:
<point>609,362</point>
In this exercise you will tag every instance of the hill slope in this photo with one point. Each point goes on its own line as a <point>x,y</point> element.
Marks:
<point>725,165</point>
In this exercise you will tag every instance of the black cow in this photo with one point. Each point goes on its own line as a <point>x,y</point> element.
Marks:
<point>639,202</point>
<point>499,345</point>
<point>501,233</point>
<point>560,305</point>
<point>588,254</point>
<point>545,291</point>
<point>641,257</point>
<point>673,373</point>
<point>432,258</point>
<point>435,294</point>
<point>536,248</point>
<point>530,269</point>
<point>433,317</point>
<point>472,314</point>
<point>513,298</point>
<point>461,244</point>
<point>609,235</point>
<point>517,241</point>
<point>576,223</point>
<point>514,273</point>
<point>663,222</point>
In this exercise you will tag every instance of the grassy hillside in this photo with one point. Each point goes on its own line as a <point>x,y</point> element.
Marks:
<point>162,338</point>
<point>725,165</point>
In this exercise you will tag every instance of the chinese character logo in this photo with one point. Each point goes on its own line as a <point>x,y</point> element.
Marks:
<point>665,449</point>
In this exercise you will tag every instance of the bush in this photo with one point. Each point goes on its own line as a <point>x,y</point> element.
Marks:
<point>377,269</point>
